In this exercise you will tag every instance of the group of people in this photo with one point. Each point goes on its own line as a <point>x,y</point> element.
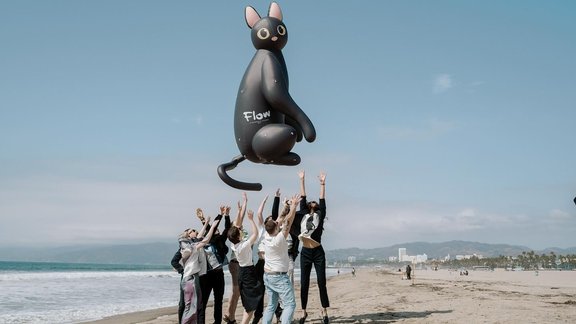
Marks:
<point>203,254</point>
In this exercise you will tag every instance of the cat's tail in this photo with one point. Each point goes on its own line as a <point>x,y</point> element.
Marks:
<point>222,172</point>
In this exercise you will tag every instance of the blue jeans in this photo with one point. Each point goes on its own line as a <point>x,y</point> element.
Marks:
<point>279,287</point>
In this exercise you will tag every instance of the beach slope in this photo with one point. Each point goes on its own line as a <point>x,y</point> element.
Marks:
<point>380,296</point>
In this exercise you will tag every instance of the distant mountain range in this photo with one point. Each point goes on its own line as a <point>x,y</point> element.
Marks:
<point>146,253</point>
<point>161,253</point>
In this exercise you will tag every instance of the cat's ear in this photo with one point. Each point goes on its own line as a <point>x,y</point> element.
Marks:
<point>275,11</point>
<point>251,16</point>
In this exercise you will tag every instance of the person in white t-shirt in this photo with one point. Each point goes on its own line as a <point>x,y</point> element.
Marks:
<point>276,265</point>
<point>233,267</point>
<point>250,284</point>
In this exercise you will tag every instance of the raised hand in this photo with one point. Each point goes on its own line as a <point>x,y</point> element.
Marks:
<point>219,216</point>
<point>322,177</point>
<point>295,200</point>
<point>301,174</point>
<point>200,214</point>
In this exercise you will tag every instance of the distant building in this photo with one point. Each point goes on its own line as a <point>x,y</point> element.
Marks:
<point>351,259</point>
<point>401,254</point>
<point>403,257</point>
<point>421,258</point>
<point>468,256</point>
<point>392,259</point>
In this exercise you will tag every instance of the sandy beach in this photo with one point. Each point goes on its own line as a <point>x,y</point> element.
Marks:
<point>443,296</point>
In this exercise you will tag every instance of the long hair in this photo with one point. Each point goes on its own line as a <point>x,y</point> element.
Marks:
<point>184,235</point>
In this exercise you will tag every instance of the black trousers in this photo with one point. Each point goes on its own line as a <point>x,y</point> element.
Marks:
<point>316,257</point>
<point>181,304</point>
<point>212,280</point>
<point>260,273</point>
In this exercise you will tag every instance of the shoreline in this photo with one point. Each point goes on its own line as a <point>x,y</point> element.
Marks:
<point>137,317</point>
<point>443,296</point>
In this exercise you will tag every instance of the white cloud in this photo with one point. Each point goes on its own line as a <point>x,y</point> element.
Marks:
<point>93,207</point>
<point>390,223</point>
<point>442,83</point>
<point>558,215</point>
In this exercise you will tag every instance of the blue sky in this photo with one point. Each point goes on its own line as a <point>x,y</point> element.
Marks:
<point>436,121</point>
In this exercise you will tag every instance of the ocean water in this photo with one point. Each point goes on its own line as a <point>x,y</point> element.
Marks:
<point>47,292</point>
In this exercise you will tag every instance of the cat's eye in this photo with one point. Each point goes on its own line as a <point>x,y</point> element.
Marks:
<point>263,33</point>
<point>281,30</point>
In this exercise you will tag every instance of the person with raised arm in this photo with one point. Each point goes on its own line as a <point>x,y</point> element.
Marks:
<point>213,280</point>
<point>293,238</point>
<point>194,263</point>
<point>276,263</point>
<point>175,262</point>
<point>250,284</point>
<point>259,312</point>
<point>311,221</point>
<point>184,238</point>
<point>234,268</point>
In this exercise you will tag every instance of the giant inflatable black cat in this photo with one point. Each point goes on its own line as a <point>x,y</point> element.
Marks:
<point>267,121</point>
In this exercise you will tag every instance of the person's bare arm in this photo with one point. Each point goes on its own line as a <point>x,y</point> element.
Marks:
<point>204,228</point>
<point>241,211</point>
<point>206,240</point>
<point>254,235</point>
<point>260,211</point>
<point>290,217</point>
<point>302,175</point>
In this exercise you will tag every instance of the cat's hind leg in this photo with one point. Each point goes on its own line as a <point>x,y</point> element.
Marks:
<point>289,159</point>
<point>273,143</point>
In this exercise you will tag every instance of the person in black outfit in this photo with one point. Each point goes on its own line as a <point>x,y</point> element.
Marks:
<point>310,224</point>
<point>408,272</point>
<point>213,280</point>
<point>180,269</point>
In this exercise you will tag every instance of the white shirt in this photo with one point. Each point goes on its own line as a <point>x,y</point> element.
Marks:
<point>275,253</point>
<point>261,244</point>
<point>193,260</point>
<point>243,252</point>
<point>309,224</point>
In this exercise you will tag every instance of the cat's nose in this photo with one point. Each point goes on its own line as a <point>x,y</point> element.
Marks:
<point>275,38</point>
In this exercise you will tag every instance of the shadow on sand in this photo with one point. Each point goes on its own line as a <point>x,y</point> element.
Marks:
<point>384,317</point>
